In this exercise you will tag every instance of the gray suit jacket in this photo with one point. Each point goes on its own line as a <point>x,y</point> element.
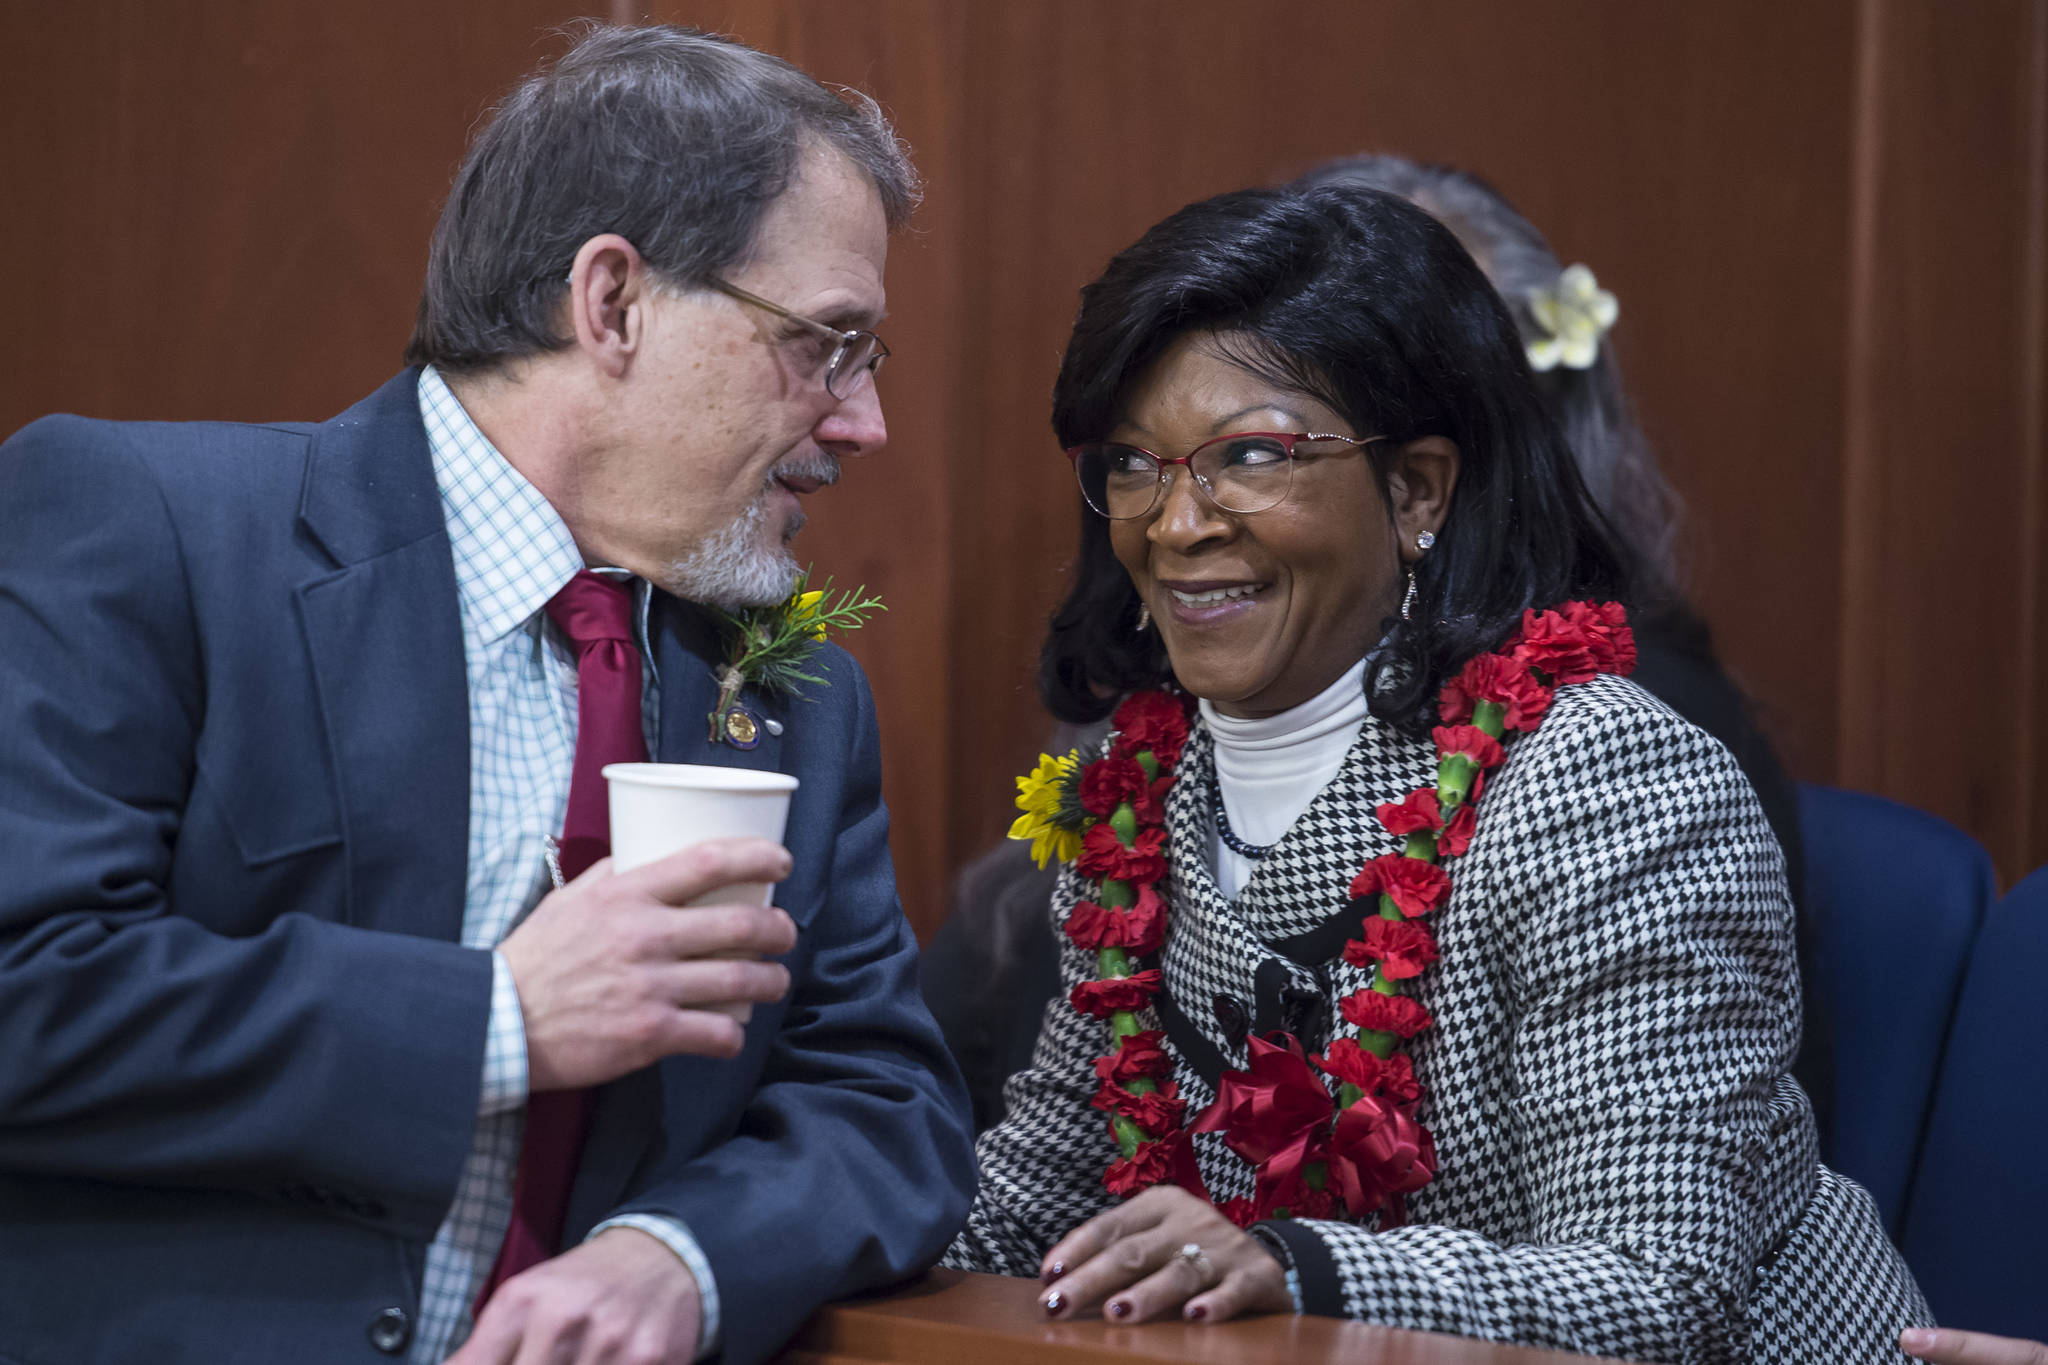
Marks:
<point>243,1045</point>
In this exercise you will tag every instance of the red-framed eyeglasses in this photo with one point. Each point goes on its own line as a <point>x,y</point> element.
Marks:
<point>1244,471</point>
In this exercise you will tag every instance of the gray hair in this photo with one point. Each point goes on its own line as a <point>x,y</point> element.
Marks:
<point>676,140</point>
<point>1590,405</point>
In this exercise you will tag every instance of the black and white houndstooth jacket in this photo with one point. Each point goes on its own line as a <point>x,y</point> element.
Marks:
<point>1624,1168</point>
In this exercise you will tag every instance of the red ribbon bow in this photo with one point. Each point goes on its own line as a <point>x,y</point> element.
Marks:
<point>1378,1154</point>
<point>1277,1116</point>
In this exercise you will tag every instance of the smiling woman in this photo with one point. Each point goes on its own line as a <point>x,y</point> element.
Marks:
<point>1397,338</point>
<point>1260,613</point>
<point>1366,1043</point>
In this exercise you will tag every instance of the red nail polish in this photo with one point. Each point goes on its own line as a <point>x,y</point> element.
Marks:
<point>1053,1303</point>
<point>1119,1308</point>
<point>1058,1269</point>
<point>1197,1311</point>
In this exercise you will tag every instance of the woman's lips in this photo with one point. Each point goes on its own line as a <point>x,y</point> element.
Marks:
<point>1205,602</point>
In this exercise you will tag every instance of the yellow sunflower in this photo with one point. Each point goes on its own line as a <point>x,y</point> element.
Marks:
<point>1045,794</point>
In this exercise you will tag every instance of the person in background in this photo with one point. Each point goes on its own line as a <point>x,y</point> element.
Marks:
<point>329,1028</point>
<point>1564,319</point>
<point>993,965</point>
<point>989,971</point>
<point>1946,1346</point>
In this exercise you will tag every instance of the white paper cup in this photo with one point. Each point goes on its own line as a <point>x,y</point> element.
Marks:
<point>660,808</point>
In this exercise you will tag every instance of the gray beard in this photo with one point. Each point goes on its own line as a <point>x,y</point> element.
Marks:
<point>731,568</point>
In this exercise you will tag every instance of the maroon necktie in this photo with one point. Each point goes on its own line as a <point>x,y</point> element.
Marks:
<point>596,613</point>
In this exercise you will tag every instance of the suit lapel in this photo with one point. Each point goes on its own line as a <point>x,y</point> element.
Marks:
<point>384,633</point>
<point>686,650</point>
<point>1304,883</point>
<point>1228,961</point>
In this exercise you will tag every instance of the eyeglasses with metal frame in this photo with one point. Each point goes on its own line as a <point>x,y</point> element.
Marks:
<point>856,356</point>
<point>1244,471</point>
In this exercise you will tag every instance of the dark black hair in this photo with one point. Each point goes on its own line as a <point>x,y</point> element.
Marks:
<point>1591,404</point>
<point>1362,301</point>
<point>677,140</point>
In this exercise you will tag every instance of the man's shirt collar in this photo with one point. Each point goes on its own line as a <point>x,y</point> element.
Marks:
<point>512,550</point>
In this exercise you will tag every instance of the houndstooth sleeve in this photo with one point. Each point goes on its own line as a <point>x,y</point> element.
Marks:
<point>1041,1168</point>
<point>1644,1152</point>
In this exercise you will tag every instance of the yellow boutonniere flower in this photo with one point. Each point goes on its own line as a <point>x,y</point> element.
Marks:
<point>1048,798</point>
<point>805,614</point>
<point>1576,312</point>
<point>769,648</point>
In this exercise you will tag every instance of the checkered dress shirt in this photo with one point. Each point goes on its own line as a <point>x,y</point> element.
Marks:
<point>512,554</point>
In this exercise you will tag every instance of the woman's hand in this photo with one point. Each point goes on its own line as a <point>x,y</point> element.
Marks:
<point>1131,1257</point>
<point>1947,1347</point>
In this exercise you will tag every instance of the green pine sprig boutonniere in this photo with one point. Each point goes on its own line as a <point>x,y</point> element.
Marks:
<point>769,649</point>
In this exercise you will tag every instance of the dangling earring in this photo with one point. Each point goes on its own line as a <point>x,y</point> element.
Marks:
<point>1144,618</point>
<point>1423,542</point>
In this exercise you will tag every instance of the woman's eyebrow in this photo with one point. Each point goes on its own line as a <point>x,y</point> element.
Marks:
<point>1222,424</point>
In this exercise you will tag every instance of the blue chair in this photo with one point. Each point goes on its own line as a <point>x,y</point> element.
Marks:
<point>1977,1228</point>
<point>1894,900</point>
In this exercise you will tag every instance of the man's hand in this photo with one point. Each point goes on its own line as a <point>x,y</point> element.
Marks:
<point>1129,1256</point>
<point>622,1298</point>
<point>1946,1346</point>
<point>614,976</point>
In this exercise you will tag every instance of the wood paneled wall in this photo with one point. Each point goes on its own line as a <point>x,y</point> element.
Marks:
<point>1944,701</point>
<point>1825,221</point>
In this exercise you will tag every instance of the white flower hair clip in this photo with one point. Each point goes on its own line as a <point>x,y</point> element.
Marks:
<point>1576,312</point>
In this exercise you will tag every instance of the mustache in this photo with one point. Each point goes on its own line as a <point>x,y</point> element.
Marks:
<point>819,467</point>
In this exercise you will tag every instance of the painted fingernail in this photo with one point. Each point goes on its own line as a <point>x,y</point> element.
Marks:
<point>1119,1308</point>
<point>1053,1272</point>
<point>1195,1312</point>
<point>1054,1302</point>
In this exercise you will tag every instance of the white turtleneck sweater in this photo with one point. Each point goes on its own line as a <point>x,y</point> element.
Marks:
<point>1268,770</point>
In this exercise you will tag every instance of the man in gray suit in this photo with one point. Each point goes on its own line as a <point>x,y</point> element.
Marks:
<point>305,1056</point>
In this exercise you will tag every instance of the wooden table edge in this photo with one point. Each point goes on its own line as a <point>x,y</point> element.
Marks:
<point>956,1315</point>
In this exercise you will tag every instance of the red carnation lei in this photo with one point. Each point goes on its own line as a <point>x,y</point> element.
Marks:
<point>1369,1153</point>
